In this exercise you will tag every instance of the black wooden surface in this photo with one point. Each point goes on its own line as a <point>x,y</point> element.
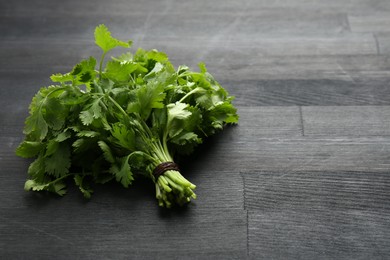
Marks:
<point>305,174</point>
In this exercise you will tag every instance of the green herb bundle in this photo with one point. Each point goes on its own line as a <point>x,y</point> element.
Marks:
<point>122,121</point>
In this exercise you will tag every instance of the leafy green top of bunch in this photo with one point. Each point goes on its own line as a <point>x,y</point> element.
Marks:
<point>119,121</point>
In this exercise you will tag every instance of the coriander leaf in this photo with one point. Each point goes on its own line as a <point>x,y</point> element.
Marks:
<point>36,170</point>
<point>156,55</point>
<point>86,117</point>
<point>58,188</point>
<point>79,181</point>
<point>58,77</point>
<point>118,71</point>
<point>122,172</point>
<point>36,126</point>
<point>123,136</point>
<point>55,113</point>
<point>202,67</point>
<point>51,147</point>
<point>55,186</point>
<point>93,112</point>
<point>105,41</point>
<point>86,133</point>
<point>176,114</point>
<point>63,136</point>
<point>178,110</point>
<point>59,162</point>
<point>124,58</point>
<point>185,138</point>
<point>149,96</point>
<point>29,149</point>
<point>106,152</point>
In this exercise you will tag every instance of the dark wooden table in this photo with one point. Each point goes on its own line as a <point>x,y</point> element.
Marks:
<point>305,175</point>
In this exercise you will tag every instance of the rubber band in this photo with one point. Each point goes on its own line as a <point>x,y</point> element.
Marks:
<point>163,167</point>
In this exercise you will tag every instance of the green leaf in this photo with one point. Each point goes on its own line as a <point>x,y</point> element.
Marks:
<point>157,56</point>
<point>79,181</point>
<point>124,136</point>
<point>122,172</point>
<point>54,186</point>
<point>124,58</point>
<point>105,41</point>
<point>178,111</point>
<point>93,112</point>
<point>83,145</point>
<point>28,149</point>
<point>63,136</point>
<point>118,71</point>
<point>55,113</point>
<point>84,72</point>
<point>186,142</point>
<point>59,162</point>
<point>150,96</point>
<point>86,117</point>
<point>37,168</point>
<point>186,138</point>
<point>86,133</point>
<point>106,152</point>
<point>51,147</point>
<point>36,126</point>
<point>33,185</point>
<point>58,77</point>
<point>202,67</point>
<point>58,188</point>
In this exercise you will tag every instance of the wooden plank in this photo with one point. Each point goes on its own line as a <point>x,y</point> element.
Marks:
<point>186,47</point>
<point>117,231</point>
<point>319,234</point>
<point>318,215</point>
<point>269,121</point>
<point>371,22</point>
<point>310,92</point>
<point>317,191</point>
<point>249,152</point>
<point>383,43</point>
<point>346,121</point>
<point>60,29</point>
<point>218,26</point>
<point>201,6</point>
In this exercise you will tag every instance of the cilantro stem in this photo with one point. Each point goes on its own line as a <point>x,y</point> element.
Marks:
<point>189,94</point>
<point>101,64</point>
<point>161,151</point>
<point>118,106</point>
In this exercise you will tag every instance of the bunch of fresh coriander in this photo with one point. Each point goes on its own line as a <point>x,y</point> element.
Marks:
<point>127,119</point>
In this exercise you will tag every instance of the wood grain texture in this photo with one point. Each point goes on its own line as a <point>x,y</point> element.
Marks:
<point>317,191</point>
<point>118,232</point>
<point>383,42</point>
<point>347,121</point>
<point>322,234</point>
<point>251,152</point>
<point>311,92</point>
<point>201,6</point>
<point>293,54</point>
<point>138,24</point>
<point>371,22</point>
